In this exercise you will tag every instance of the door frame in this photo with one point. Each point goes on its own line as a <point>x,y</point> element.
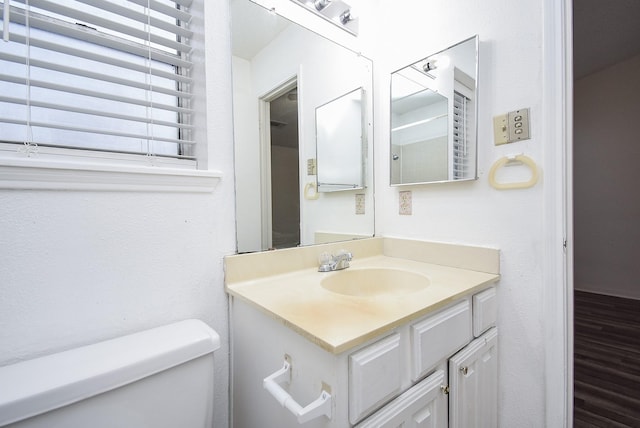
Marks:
<point>557,130</point>
<point>264,102</point>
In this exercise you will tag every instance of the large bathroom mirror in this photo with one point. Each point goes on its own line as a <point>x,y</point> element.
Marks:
<point>282,73</point>
<point>433,117</point>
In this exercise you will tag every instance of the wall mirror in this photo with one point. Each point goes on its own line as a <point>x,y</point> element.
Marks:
<point>340,129</point>
<point>433,117</point>
<point>282,73</point>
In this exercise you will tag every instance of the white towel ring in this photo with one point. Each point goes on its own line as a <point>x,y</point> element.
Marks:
<point>311,191</point>
<point>526,160</point>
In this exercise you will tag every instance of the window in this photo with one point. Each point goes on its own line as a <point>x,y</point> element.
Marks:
<point>100,75</point>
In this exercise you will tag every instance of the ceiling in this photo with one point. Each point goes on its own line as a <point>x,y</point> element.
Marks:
<point>605,32</point>
<point>252,28</point>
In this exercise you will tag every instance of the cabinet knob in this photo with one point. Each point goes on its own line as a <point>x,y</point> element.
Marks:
<point>444,389</point>
<point>464,370</point>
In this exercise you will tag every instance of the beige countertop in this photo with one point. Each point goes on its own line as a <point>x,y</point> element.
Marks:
<point>338,322</point>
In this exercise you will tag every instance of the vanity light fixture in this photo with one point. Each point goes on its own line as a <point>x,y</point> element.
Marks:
<point>346,17</point>
<point>321,4</point>
<point>337,12</point>
<point>430,64</point>
<point>441,62</point>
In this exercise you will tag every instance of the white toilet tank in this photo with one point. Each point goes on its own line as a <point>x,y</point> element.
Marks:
<point>160,378</point>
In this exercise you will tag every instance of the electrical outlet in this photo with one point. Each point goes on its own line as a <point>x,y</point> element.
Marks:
<point>359,203</point>
<point>405,202</point>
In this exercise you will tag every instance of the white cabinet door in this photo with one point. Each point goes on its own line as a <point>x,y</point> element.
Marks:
<point>473,384</point>
<point>374,376</point>
<point>422,406</point>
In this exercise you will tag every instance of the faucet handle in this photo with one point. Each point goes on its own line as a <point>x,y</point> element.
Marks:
<point>324,261</point>
<point>346,254</point>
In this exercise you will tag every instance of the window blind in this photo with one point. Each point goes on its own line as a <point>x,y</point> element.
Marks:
<point>460,140</point>
<point>106,75</point>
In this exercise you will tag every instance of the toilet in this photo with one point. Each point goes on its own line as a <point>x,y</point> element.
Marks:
<point>160,378</point>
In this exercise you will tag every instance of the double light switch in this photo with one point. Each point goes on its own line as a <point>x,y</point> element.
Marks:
<point>511,127</point>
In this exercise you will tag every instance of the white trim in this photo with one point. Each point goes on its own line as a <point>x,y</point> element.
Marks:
<point>265,174</point>
<point>26,174</point>
<point>557,276</point>
<point>568,200</point>
<point>265,156</point>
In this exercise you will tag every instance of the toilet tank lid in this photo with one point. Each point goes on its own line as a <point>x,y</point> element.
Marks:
<point>32,387</point>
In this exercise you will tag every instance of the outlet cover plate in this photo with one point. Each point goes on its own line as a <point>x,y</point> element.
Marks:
<point>359,203</point>
<point>405,202</point>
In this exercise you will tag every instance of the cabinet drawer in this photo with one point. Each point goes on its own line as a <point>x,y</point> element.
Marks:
<point>435,338</point>
<point>374,376</point>
<point>485,311</point>
<point>424,405</point>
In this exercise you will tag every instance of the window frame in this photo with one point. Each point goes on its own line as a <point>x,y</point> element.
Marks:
<point>57,168</point>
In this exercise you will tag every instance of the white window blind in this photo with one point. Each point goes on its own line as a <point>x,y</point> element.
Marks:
<point>105,75</point>
<point>461,155</point>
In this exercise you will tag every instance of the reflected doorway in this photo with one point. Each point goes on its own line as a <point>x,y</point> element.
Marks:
<point>281,164</point>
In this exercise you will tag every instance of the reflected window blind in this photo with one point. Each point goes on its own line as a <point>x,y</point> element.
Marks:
<point>460,139</point>
<point>105,75</point>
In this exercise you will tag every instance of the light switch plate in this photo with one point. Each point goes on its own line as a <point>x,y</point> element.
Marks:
<point>311,166</point>
<point>519,125</point>
<point>501,129</point>
<point>511,127</point>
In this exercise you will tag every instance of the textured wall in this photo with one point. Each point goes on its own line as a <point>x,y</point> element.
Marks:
<point>77,267</point>
<point>474,213</point>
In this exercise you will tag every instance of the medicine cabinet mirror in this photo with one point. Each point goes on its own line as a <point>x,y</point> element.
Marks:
<point>433,117</point>
<point>339,143</point>
<point>283,76</point>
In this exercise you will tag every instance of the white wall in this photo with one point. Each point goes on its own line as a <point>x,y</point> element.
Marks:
<point>77,267</point>
<point>510,77</point>
<point>606,177</point>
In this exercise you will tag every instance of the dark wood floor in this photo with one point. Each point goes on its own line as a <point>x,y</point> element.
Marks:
<point>606,361</point>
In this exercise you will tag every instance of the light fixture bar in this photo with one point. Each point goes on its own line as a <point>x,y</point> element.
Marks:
<point>337,12</point>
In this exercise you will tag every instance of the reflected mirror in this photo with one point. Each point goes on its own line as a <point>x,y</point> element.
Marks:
<point>339,126</point>
<point>433,117</point>
<point>282,74</point>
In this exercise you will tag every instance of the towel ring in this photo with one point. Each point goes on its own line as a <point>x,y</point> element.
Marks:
<point>517,185</point>
<point>311,195</point>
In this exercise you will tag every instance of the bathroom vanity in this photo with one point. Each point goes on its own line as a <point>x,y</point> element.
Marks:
<point>407,334</point>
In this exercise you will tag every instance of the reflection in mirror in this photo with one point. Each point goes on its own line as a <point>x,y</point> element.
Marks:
<point>339,127</point>
<point>282,73</point>
<point>433,117</point>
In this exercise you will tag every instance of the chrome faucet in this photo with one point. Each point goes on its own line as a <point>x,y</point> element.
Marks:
<point>330,263</point>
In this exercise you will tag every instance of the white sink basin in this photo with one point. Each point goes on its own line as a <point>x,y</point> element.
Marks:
<point>374,282</point>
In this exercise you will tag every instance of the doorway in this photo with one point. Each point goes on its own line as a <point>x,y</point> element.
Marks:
<point>606,207</point>
<point>281,215</point>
